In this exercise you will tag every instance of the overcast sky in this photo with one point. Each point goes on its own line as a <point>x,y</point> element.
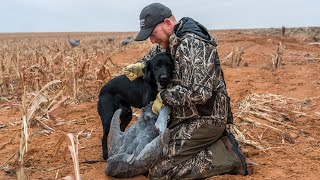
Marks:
<point>123,15</point>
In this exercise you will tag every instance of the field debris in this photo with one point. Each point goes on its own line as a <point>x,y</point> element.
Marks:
<point>272,112</point>
<point>235,58</point>
<point>278,56</point>
<point>278,132</point>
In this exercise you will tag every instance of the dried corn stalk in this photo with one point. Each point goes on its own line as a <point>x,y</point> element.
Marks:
<point>273,112</point>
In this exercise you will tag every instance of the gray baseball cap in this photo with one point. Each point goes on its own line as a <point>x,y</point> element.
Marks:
<point>150,17</point>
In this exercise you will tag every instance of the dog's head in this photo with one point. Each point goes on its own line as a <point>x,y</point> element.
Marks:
<point>159,70</point>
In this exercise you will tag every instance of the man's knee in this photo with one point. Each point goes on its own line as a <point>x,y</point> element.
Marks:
<point>200,139</point>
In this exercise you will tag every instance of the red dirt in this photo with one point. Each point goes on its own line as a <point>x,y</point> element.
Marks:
<point>297,78</point>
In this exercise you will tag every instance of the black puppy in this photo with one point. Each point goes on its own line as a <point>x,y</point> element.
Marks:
<point>122,93</point>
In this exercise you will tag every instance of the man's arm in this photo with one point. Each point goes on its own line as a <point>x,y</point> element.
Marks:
<point>198,74</point>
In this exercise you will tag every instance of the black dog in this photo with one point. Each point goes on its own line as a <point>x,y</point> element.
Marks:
<point>122,93</point>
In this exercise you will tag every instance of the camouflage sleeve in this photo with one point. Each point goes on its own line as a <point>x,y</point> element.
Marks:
<point>196,73</point>
<point>153,51</point>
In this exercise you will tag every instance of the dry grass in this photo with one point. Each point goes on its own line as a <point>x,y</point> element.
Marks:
<point>74,154</point>
<point>39,61</point>
<point>74,151</point>
<point>29,110</point>
<point>43,74</point>
<point>272,112</point>
<point>235,58</point>
<point>277,57</point>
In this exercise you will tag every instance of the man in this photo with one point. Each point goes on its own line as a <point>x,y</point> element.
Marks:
<point>199,145</point>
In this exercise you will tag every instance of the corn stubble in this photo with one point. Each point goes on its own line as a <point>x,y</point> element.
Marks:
<point>44,73</point>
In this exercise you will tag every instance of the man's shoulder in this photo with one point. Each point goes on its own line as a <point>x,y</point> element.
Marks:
<point>194,38</point>
<point>191,38</point>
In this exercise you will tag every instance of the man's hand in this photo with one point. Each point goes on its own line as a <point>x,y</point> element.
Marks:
<point>133,71</point>
<point>157,104</point>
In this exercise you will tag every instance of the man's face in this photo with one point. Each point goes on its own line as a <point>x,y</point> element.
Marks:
<point>160,35</point>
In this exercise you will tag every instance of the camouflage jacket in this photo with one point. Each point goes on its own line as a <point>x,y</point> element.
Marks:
<point>198,88</point>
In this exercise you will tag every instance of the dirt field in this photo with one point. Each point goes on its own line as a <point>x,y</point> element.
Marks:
<point>278,109</point>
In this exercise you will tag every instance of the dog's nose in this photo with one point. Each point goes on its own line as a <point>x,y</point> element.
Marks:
<point>163,78</point>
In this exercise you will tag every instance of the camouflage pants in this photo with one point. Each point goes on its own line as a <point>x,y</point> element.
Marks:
<point>195,151</point>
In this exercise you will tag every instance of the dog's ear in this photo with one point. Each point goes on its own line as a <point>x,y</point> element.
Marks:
<point>147,71</point>
<point>146,67</point>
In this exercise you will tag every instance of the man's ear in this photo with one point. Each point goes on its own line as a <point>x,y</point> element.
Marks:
<point>169,24</point>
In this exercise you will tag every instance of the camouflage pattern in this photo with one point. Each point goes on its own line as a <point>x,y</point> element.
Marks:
<point>171,166</point>
<point>197,96</point>
<point>155,50</point>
